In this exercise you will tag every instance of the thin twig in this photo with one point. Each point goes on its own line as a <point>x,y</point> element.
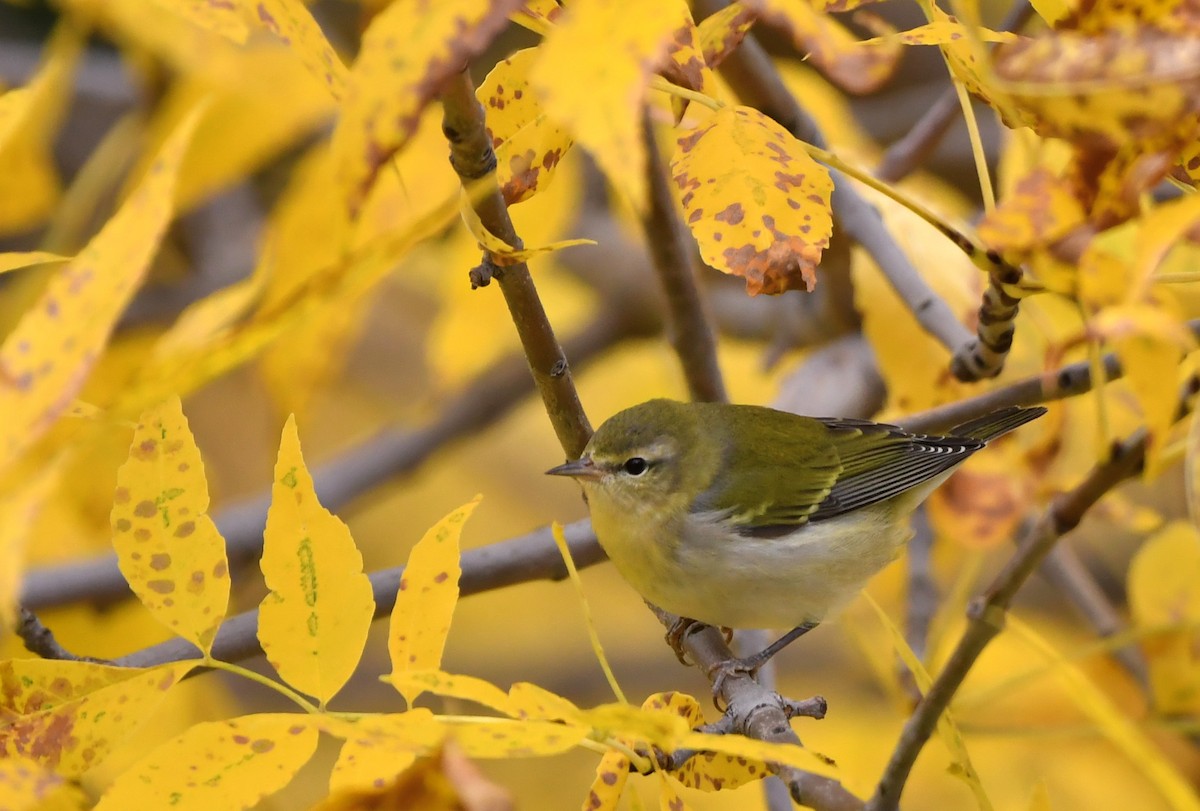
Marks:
<point>911,151</point>
<point>474,161</point>
<point>40,640</point>
<point>986,614</point>
<point>687,319</point>
<point>394,452</point>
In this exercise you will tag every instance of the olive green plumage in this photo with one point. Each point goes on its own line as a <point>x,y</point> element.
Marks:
<point>746,516</point>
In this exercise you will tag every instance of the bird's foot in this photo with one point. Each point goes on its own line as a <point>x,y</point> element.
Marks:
<point>722,671</point>
<point>680,629</point>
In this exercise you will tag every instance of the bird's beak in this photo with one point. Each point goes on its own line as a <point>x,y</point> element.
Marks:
<point>583,468</point>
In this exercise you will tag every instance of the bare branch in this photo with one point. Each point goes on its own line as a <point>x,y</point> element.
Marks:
<point>474,160</point>
<point>986,615</point>
<point>670,246</point>
<point>40,640</point>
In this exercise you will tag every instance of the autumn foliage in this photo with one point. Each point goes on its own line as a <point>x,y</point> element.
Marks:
<point>426,236</point>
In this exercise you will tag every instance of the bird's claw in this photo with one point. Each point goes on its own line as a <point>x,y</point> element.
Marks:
<point>721,671</point>
<point>678,631</point>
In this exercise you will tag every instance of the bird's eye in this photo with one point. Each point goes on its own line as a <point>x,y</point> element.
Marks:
<point>635,466</point>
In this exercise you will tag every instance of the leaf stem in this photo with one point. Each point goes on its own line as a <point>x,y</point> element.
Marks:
<point>265,681</point>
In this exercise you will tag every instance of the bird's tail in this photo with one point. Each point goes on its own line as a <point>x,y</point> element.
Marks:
<point>998,423</point>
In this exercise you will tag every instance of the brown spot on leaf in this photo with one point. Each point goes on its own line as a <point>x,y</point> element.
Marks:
<point>161,586</point>
<point>160,561</point>
<point>145,509</point>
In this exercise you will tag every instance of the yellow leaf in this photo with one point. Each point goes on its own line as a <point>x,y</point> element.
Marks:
<point>19,507</point>
<point>426,599</point>
<point>592,78</point>
<point>1164,590</point>
<point>1040,801</point>
<point>68,716</point>
<point>501,252</point>
<point>611,774</point>
<point>229,765</point>
<point>407,51</point>
<point>29,116</point>
<point>530,701</point>
<point>1150,342</point>
<point>707,771</point>
<point>720,33</point>
<point>26,786</point>
<point>168,547</point>
<point>942,31</point>
<point>450,685</point>
<point>669,798</point>
<point>528,144</point>
<point>293,23</point>
<point>757,204</point>
<point>1120,730</point>
<point>24,259</point>
<point>46,359</point>
<point>1068,84</point>
<point>376,748</point>
<point>503,738</point>
<point>313,625</point>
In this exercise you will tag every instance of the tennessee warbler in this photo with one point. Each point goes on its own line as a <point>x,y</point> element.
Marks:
<point>747,517</point>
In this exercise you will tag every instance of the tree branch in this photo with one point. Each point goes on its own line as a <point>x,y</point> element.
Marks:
<point>474,161</point>
<point>687,321</point>
<point>394,452</point>
<point>986,614</point>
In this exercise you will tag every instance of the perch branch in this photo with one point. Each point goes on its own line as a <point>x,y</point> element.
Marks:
<point>687,321</point>
<point>474,161</point>
<point>986,614</point>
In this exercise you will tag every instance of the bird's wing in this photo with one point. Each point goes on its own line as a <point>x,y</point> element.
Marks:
<point>881,461</point>
<point>781,481</point>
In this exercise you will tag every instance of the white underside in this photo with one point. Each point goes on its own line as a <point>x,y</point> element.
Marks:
<point>722,578</point>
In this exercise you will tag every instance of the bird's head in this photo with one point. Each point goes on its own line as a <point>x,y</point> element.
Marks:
<point>653,456</point>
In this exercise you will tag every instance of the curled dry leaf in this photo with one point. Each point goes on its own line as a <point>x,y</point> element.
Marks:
<point>756,202</point>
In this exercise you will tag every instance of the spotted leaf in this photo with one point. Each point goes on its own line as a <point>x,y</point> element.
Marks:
<point>425,603</point>
<point>168,547</point>
<point>229,765</point>
<point>756,202</point>
<point>313,625</point>
<point>68,716</point>
<point>528,144</point>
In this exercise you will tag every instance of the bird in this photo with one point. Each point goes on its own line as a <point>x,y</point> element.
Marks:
<point>743,516</point>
